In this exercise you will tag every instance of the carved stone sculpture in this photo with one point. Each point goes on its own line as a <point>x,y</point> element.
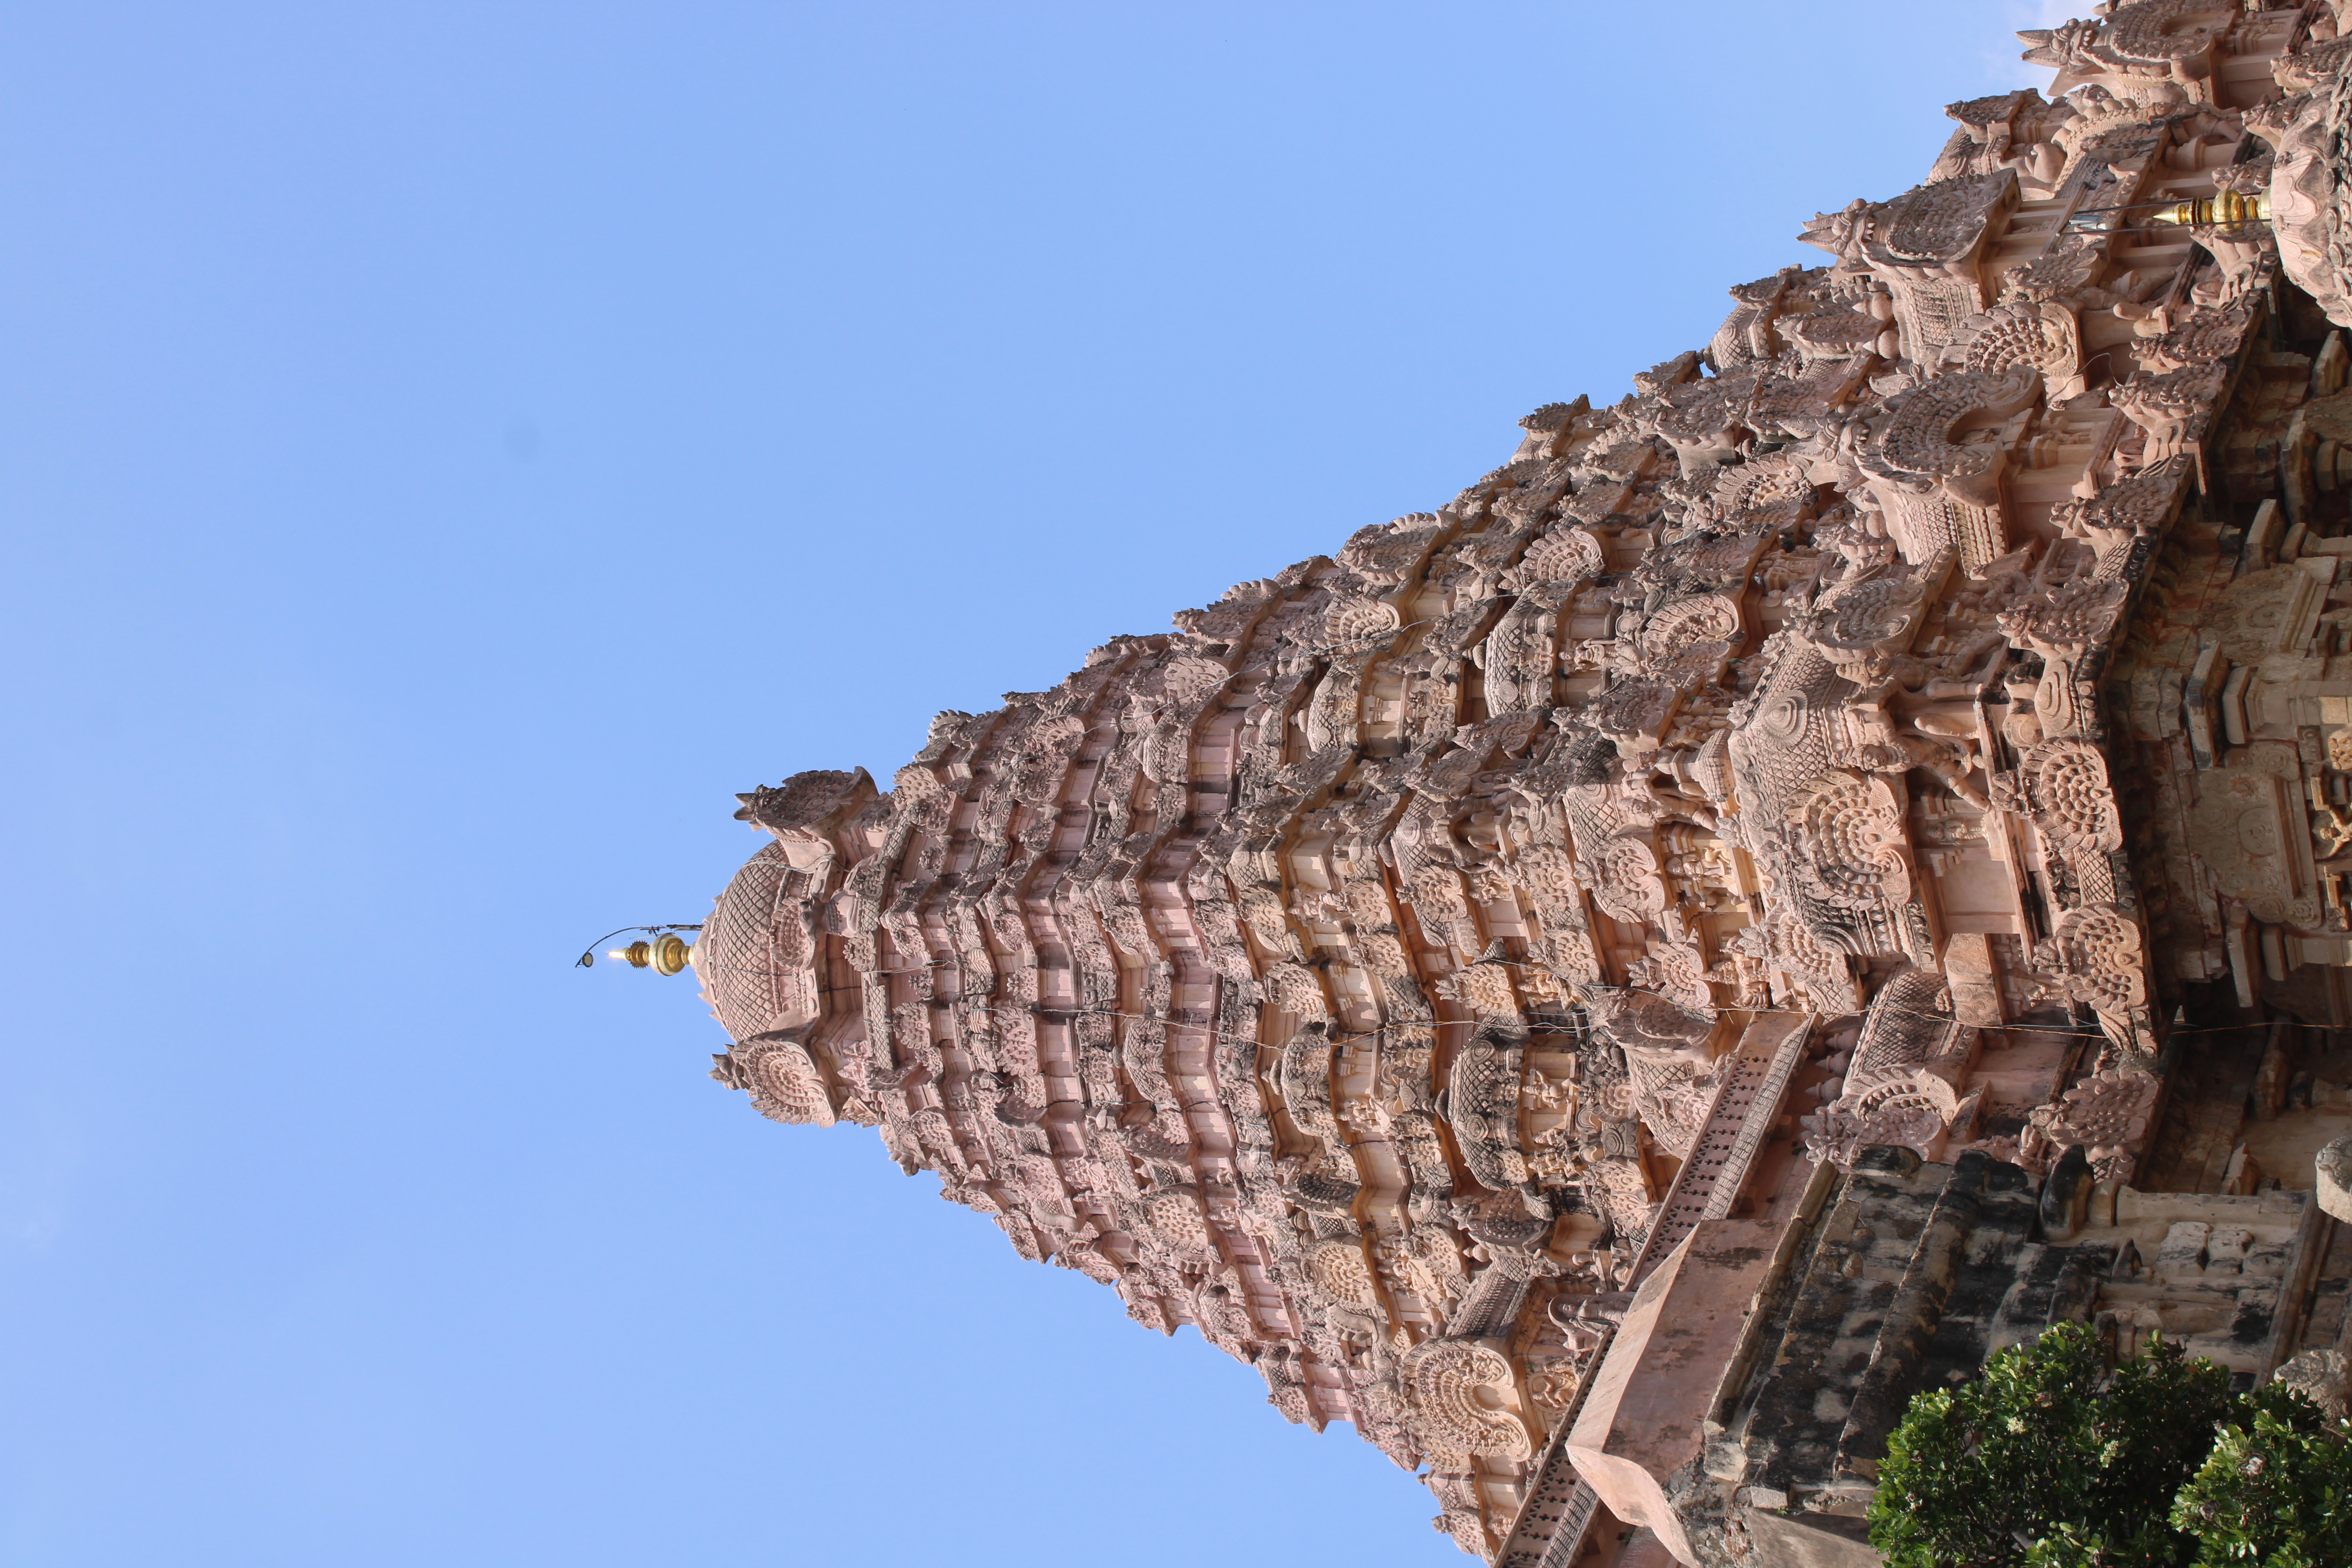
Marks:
<point>1838,768</point>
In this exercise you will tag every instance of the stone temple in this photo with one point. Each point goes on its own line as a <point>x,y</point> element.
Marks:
<point>1798,878</point>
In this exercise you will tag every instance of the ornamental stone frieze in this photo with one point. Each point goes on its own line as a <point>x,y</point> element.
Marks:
<point>1528,980</point>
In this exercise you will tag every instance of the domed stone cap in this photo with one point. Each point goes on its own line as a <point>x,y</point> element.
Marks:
<point>2309,194</point>
<point>758,952</point>
<point>756,957</point>
<point>2334,1163</point>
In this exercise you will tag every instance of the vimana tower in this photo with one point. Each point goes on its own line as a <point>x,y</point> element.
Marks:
<point>1797,879</point>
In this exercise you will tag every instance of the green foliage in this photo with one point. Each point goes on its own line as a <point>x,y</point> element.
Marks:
<point>2046,1461</point>
<point>2275,1492</point>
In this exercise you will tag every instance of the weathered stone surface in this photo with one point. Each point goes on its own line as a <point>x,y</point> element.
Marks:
<point>2321,1376</point>
<point>2333,1171</point>
<point>1915,1272</point>
<point>1646,1415</point>
<point>1809,1540</point>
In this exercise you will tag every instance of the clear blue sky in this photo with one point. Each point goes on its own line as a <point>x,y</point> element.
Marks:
<point>446,449</point>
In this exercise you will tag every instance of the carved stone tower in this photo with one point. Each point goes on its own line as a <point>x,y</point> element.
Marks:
<point>1543,982</point>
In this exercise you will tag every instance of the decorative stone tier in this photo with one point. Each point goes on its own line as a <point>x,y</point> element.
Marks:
<point>1901,739</point>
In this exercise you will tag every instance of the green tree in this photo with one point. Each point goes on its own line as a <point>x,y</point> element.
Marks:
<point>2049,1461</point>
<point>2275,1492</point>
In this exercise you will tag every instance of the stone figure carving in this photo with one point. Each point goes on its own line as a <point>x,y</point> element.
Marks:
<point>2321,1376</point>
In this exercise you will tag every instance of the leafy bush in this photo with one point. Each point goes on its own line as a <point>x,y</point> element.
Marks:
<point>2046,1461</point>
<point>2275,1492</point>
<point>2050,1461</point>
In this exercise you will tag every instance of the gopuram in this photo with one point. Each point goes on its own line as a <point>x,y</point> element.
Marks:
<point>1800,878</point>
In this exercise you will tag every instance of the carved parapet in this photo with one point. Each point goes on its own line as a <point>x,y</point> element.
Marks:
<point>2043,335</point>
<point>1483,1105</point>
<point>2062,786</point>
<point>2122,512</point>
<point>1924,246</point>
<point>1998,130</point>
<point>1907,1107</point>
<point>785,1085</point>
<point>1703,420</point>
<point>1917,447</point>
<point>1899,1088</point>
<point>1686,641</point>
<point>2107,1116</point>
<point>1461,1400</point>
<point>807,808</point>
<point>2173,408</point>
<point>1858,854</point>
<point>1636,713</point>
<point>1942,491</point>
<point>1871,613</point>
<point>2138,48</point>
<point>1747,334</point>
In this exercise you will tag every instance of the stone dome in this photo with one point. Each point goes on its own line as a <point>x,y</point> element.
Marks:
<point>757,954</point>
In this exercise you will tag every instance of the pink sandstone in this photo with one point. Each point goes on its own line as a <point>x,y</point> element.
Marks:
<point>1541,978</point>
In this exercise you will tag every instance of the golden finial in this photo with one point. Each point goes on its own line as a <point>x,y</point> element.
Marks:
<point>2225,209</point>
<point>665,953</point>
